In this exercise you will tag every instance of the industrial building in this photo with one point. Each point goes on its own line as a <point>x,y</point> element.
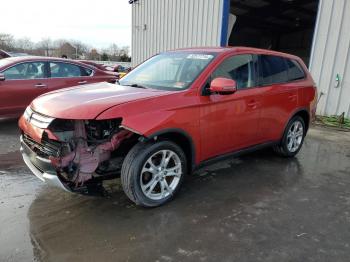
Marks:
<point>315,30</point>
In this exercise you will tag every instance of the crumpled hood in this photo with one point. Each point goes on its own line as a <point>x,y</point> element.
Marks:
<point>88,101</point>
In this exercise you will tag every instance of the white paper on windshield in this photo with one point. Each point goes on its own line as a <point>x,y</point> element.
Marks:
<point>199,56</point>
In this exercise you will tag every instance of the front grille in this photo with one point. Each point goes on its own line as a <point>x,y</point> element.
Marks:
<point>45,148</point>
<point>37,119</point>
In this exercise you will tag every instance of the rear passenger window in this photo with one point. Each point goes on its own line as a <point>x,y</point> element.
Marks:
<point>295,71</point>
<point>59,69</point>
<point>240,68</point>
<point>273,69</point>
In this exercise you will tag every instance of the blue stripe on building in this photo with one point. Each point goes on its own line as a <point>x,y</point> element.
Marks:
<point>224,24</point>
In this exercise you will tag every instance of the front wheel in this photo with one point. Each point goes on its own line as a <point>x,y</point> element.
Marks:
<point>153,172</point>
<point>293,138</point>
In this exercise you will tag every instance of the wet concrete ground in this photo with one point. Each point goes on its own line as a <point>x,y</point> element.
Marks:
<point>254,208</point>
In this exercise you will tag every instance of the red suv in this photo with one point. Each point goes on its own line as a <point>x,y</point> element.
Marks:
<point>24,78</point>
<point>174,112</point>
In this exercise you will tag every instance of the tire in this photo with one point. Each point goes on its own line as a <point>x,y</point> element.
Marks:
<point>153,185</point>
<point>288,148</point>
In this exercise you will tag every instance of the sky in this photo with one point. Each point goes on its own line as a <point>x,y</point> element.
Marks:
<point>96,23</point>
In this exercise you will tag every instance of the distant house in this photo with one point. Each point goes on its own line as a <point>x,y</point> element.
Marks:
<point>67,49</point>
<point>94,55</point>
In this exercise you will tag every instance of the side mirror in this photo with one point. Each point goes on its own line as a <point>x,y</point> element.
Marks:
<point>223,85</point>
<point>2,77</point>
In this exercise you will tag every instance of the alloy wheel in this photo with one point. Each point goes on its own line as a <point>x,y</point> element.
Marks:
<point>295,136</point>
<point>161,174</point>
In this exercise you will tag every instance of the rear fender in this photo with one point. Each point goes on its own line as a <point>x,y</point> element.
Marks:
<point>295,112</point>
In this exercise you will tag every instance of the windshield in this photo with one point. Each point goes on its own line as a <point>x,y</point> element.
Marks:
<point>169,71</point>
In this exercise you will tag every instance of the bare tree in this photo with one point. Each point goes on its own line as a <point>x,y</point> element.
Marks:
<point>24,44</point>
<point>72,48</point>
<point>124,51</point>
<point>58,42</point>
<point>46,45</point>
<point>81,48</point>
<point>6,42</point>
<point>113,50</point>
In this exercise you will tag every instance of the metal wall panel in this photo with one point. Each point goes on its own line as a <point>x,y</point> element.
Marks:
<point>331,56</point>
<point>160,25</point>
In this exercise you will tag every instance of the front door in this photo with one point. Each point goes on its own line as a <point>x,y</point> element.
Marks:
<point>230,122</point>
<point>23,82</point>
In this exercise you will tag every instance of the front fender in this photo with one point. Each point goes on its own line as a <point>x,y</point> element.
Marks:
<point>150,122</point>
<point>162,122</point>
<point>145,124</point>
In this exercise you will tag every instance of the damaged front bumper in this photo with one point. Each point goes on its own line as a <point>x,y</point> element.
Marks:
<point>73,155</point>
<point>41,167</point>
<point>74,160</point>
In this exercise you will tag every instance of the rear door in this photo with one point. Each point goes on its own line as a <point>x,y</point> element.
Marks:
<point>279,97</point>
<point>23,82</point>
<point>64,74</point>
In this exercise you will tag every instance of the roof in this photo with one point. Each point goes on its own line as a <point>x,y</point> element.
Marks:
<point>18,59</point>
<point>204,49</point>
<point>232,49</point>
<point>30,58</point>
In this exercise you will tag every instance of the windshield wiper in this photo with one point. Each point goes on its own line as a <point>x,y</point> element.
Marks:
<point>136,85</point>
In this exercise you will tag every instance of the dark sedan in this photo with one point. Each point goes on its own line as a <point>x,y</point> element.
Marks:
<point>4,54</point>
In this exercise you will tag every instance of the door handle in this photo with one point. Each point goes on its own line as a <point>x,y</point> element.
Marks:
<point>82,82</point>
<point>252,104</point>
<point>292,97</point>
<point>40,85</point>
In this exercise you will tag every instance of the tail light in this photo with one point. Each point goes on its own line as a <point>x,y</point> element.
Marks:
<point>314,103</point>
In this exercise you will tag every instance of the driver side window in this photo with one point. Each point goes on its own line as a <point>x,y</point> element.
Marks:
<point>25,71</point>
<point>240,68</point>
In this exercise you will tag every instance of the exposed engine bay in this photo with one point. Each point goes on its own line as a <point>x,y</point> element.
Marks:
<point>87,149</point>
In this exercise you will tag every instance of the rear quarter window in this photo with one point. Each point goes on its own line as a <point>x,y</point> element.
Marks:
<point>86,71</point>
<point>295,71</point>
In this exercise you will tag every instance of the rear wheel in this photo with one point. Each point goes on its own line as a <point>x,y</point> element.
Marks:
<point>293,138</point>
<point>153,172</point>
